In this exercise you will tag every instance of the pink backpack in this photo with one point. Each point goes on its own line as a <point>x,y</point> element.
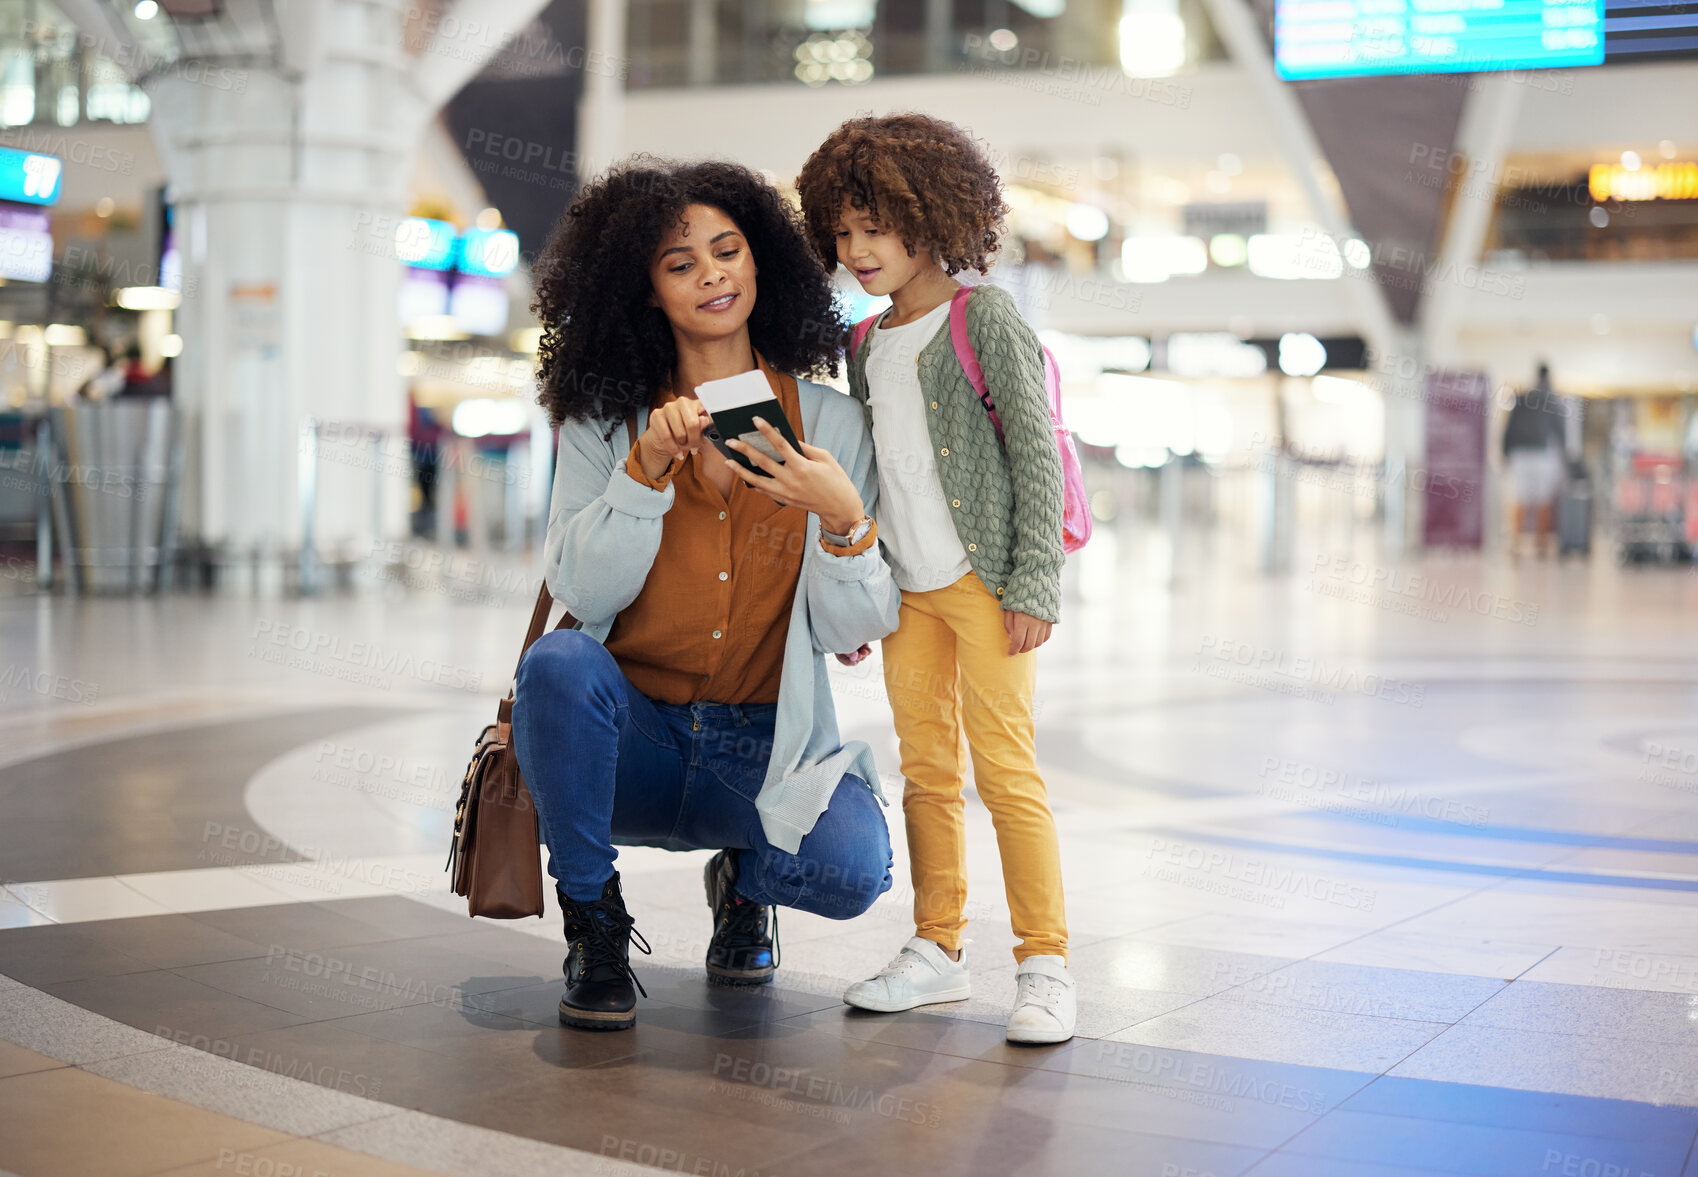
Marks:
<point>1076,509</point>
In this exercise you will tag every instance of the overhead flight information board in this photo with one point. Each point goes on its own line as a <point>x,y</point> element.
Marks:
<point>1357,38</point>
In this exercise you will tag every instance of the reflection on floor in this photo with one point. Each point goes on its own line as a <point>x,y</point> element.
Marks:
<point>1367,874</point>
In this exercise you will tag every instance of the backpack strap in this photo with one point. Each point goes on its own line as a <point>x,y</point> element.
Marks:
<point>858,335</point>
<point>965,355</point>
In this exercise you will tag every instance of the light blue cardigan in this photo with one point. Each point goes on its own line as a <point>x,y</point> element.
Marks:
<point>604,530</point>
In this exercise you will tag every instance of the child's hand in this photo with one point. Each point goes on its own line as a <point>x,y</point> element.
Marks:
<point>863,653</point>
<point>1025,632</point>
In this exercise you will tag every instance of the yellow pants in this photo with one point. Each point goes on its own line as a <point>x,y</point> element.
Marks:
<point>948,670</point>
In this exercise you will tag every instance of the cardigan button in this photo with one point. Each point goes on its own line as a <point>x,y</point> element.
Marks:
<point>999,592</point>
<point>934,405</point>
<point>955,502</point>
<point>944,451</point>
<point>972,547</point>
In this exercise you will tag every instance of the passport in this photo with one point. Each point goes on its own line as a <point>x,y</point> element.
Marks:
<point>734,403</point>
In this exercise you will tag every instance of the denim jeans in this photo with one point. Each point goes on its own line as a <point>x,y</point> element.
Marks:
<point>607,765</point>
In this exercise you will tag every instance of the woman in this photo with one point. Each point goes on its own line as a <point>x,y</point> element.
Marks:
<point>692,709</point>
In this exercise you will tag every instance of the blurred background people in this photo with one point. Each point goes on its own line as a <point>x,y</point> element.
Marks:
<point>1533,440</point>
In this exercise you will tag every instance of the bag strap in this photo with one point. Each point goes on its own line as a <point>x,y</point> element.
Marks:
<point>964,354</point>
<point>858,335</point>
<point>540,611</point>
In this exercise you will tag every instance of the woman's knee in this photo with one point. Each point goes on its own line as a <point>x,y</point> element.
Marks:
<point>566,662</point>
<point>856,870</point>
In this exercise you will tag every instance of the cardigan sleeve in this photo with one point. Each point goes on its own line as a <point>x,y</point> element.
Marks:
<point>1012,359</point>
<point>604,527</point>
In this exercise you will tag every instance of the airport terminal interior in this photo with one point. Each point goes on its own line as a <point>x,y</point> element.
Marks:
<point>1369,727</point>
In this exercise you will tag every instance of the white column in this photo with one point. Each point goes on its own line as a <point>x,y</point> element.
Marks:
<point>287,193</point>
<point>601,114</point>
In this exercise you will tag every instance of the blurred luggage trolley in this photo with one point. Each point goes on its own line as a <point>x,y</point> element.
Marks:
<point>1656,510</point>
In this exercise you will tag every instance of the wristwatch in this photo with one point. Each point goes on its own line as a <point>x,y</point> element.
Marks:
<point>856,534</point>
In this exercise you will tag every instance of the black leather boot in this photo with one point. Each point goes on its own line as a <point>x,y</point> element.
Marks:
<point>744,948</point>
<point>598,972</point>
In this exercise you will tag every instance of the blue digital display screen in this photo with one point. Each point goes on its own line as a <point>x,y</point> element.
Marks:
<point>425,243</point>
<point>1359,38</point>
<point>490,252</point>
<point>29,177</point>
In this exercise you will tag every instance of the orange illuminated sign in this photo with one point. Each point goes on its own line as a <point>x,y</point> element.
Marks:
<point>1664,181</point>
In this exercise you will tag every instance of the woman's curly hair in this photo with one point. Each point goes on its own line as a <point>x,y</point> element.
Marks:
<point>605,348</point>
<point>920,177</point>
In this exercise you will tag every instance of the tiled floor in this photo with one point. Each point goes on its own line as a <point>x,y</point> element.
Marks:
<point>1351,891</point>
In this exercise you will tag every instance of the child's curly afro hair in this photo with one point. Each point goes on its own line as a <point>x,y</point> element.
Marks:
<point>605,348</point>
<point>919,177</point>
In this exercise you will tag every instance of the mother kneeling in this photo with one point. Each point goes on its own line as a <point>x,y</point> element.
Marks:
<point>692,709</point>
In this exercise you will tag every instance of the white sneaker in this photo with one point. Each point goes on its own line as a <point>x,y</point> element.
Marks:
<point>1045,1003</point>
<point>921,974</point>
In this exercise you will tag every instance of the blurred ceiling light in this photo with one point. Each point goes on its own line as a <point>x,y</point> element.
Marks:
<point>1335,390</point>
<point>1630,160</point>
<point>1666,148</point>
<point>488,218</point>
<point>171,346</point>
<point>104,206</point>
<point>146,9</point>
<point>1290,256</point>
<point>1002,40</point>
<point>1218,182</point>
<point>1357,255</point>
<point>525,340</point>
<point>1043,9</point>
<point>147,298</point>
<point>1213,353</point>
<point>838,14</point>
<point>1599,216</point>
<point>482,416</point>
<point>1087,222</point>
<point>1156,259</point>
<point>1152,39</point>
<point>1228,249</point>
<point>1301,354</point>
<point>64,335</point>
<point>435,327</point>
<point>1230,164</point>
<point>1166,188</point>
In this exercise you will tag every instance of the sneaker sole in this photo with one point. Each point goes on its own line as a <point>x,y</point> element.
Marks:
<point>896,1007</point>
<point>1038,1038</point>
<point>588,1019</point>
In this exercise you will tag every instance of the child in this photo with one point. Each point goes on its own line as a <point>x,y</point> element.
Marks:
<point>971,526</point>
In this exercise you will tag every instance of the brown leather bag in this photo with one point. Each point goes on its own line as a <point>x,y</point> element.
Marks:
<point>493,856</point>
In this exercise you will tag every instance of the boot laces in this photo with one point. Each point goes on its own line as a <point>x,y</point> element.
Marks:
<point>745,923</point>
<point>604,937</point>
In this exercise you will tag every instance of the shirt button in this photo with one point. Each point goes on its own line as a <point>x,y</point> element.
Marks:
<point>944,451</point>
<point>722,514</point>
<point>725,576</point>
<point>716,633</point>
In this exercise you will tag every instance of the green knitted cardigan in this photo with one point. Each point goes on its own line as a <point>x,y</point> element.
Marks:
<point>1005,496</point>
